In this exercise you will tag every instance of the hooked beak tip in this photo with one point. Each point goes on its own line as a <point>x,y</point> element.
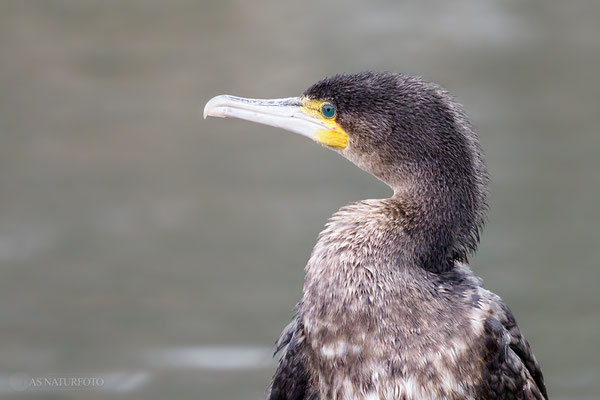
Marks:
<point>216,107</point>
<point>205,112</point>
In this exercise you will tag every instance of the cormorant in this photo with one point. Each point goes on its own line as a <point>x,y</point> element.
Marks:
<point>390,308</point>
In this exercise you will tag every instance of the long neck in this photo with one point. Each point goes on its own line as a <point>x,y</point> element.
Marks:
<point>441,195</point>
<point>443,204</point>
<point>441,224</point>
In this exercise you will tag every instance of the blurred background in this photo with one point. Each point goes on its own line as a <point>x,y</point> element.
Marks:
<point>163,253</point>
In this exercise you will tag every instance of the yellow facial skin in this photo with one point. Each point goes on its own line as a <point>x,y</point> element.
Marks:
<point>335,135</point>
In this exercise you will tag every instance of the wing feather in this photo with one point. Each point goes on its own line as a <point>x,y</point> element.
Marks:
<point>291,380</point>
<point>512,370</point>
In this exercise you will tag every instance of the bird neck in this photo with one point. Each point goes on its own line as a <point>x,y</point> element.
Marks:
<point>441,221</point>
<point>424,228</point>
<point>440,196</point>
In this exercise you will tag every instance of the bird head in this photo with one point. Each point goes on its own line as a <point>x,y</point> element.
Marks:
<point>402,129</point>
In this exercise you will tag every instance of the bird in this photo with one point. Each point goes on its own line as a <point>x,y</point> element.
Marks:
<point>390,307</point>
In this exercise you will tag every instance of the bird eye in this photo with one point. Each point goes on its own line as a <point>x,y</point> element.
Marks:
<point>328,110</point>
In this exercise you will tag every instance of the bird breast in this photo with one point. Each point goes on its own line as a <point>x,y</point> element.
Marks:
<point>377,330</point>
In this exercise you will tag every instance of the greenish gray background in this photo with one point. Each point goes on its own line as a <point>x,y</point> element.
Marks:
<point>144,245</point>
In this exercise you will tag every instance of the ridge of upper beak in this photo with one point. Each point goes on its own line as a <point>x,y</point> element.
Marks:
<point>229,106</point>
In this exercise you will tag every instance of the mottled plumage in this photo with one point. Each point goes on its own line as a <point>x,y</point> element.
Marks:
<point>390,309</point>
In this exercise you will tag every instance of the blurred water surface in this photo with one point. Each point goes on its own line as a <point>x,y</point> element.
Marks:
<point>139,242</point>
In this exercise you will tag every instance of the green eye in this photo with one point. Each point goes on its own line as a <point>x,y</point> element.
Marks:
<point>328,110</point>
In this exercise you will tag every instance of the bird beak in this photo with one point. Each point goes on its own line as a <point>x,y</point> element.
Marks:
<point>294,114</point>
